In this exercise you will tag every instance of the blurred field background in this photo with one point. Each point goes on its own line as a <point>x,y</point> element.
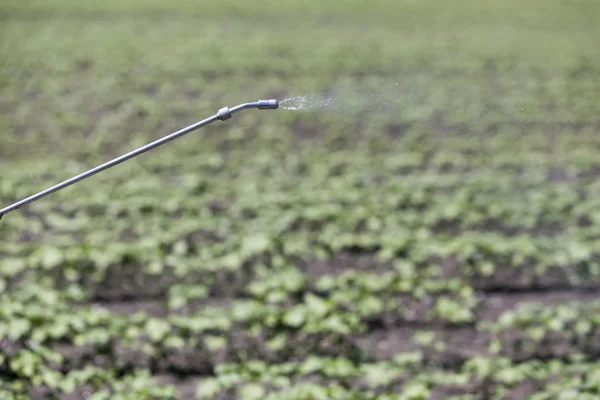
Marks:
<point>434,236</point>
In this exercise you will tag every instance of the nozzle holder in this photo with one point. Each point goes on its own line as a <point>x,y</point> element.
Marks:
<point>225,113</point>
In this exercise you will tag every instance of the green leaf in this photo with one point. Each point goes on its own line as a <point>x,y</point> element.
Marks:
<point>252,391</point>
<point>536,333</point>
<point>370,305</point>
<point>71,274</point>
<point>415,391</point>
<point>215,343</point>
<point>339,367</point>
<point>25,363</point>
<point>495,346</point>
<point>254,244</point>
<point>59,329</point>
<point>583,327</point>
<point>293,280</point>
<point>174,342</point>
<point>311,364</point>
<point>509,376</point>
<point>296,316</point>
<point>278,342</point>
<point>157,329</point>
<point>452,310</point>
<point>98,336</point>
<point>180,248</point>
<point>326,283</point>
<point>486,268</point>
<point>18,327</point>
<point>101,395</point>
<point>578,251</point>
<point>336,324</point>
<point>177,301</point>
<point>68,384</point>
<point>155,268</point>
<point>408,358</point>
<point>12,266</point>
<point>380,374</point>
<point>51,257</point>
<point>231,261</point>
<point>555,325</point>
<point>51,378</point>
<point>316,304</point>
<point>276,296</point>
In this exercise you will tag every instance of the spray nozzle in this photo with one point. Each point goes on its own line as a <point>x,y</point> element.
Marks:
<point>268,104</point>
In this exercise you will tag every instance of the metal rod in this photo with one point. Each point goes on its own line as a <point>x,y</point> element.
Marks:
<point>223,114</point>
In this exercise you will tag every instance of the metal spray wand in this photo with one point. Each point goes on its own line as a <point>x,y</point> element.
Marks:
<point>223,114</point>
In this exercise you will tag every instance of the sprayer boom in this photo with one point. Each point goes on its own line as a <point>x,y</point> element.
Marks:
<point>223,114</point>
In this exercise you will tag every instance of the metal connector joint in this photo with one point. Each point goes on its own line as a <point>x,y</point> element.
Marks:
<point>224,113</point>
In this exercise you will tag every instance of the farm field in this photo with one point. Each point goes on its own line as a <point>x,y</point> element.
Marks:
<point>433,233</point>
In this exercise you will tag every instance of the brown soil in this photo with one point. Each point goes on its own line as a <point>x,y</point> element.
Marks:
<point>340,263</point>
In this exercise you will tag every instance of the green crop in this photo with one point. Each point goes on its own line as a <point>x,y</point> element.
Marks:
<point>433,235</point>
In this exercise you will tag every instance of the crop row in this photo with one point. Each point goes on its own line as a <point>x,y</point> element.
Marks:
<point>30,378</point>
<point>319,377</point>
<point>337,377</point>
<point>151,267</point>
<point>442,203</point>
<point>38,316</point>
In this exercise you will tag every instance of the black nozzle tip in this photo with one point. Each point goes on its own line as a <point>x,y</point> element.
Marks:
<point>268,104</point>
